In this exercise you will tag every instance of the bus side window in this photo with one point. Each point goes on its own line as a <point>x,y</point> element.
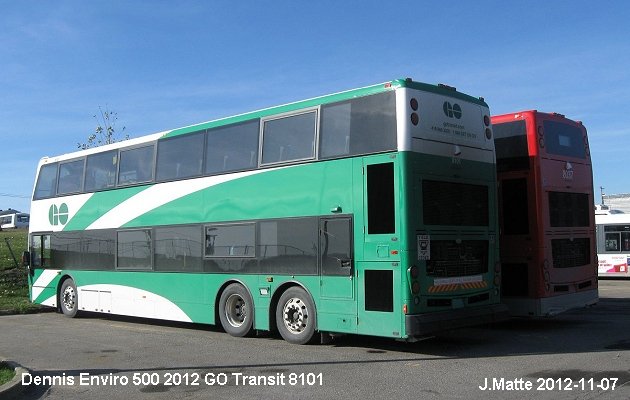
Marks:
<point>101,171</point>
<point>180,157</point>
<point>136,165</point>
<point>40,251</point>
<point>70,177</point>
<point>289,138</point>
<point>232,147</point>
<point>362,125</point>
<point>612,242</point>
<point>335,247</point>
<point>380,198</point>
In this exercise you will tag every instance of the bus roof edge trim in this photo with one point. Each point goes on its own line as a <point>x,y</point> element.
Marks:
<point>330,98</point>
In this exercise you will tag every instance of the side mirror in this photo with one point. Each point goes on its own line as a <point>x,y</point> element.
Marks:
<point>26,259</point>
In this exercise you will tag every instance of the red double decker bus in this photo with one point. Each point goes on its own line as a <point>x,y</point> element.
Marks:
<point>547,239</point>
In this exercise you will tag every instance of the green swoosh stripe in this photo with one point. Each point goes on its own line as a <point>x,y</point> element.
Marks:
<point>99,204</point>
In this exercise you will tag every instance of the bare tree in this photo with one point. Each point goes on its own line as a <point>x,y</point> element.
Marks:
<point>106,131</point>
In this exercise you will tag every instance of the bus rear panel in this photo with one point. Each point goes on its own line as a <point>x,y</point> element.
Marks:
<point>547,223</point>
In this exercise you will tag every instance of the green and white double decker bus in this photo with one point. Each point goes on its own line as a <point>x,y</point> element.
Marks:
<point>371,211</point>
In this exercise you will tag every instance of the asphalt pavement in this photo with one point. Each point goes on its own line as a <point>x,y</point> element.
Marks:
<point>581,354</point>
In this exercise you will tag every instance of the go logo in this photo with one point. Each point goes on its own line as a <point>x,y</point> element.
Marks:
<point>452,110</point>
<point>58,215</point>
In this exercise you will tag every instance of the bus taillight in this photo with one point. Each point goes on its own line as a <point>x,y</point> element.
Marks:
<point>413,103</point>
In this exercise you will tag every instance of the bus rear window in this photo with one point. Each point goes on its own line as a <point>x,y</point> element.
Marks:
<point>510,142</point>
<point>563,139</point>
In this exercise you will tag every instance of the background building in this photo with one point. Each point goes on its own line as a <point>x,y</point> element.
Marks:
<point>617,201</point>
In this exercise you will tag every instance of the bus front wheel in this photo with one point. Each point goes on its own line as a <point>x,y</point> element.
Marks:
<point>236,310</point>
<point>68,298</point>
<point>295,316</point>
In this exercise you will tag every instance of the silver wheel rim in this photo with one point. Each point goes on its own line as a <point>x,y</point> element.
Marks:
<point>235,310</point>
<point>69,298</point>
<point>295,315</point>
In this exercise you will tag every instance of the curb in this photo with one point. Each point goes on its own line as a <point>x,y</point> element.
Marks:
<point>34,310</point>
<point>14,388</point>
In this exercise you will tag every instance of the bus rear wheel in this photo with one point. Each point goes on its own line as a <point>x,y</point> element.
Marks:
<point>295,316</point>
<point>236,310</point>
<point>68,298</point>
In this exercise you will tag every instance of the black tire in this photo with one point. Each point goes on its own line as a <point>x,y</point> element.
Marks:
<point>69,298</point>
<point>236,310</point>
<point>296,318</point>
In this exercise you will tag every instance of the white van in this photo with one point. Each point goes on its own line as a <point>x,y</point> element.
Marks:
<point>15,220</point>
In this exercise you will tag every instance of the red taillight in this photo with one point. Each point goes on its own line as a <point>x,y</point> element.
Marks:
<point>414,272</point>
<point>486,120</point>
<point>415,287</point>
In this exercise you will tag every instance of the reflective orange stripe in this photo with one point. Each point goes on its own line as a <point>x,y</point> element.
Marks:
<point>457,286</point>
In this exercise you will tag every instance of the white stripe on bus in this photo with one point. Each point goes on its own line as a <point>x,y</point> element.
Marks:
<point>42,282</point>
<point>159,195</point>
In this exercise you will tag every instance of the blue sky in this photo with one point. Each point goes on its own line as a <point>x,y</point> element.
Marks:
<point>164,64</point>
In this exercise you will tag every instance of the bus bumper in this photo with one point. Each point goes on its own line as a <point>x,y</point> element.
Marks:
<point>550,306</point>
<point>430,323</point>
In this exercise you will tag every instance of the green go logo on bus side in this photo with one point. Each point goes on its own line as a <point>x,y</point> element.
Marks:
<point>58,215</point>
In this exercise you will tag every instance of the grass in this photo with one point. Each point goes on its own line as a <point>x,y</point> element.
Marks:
<point>6,373</point>
<point>13,281</point>
<point>17,240</point>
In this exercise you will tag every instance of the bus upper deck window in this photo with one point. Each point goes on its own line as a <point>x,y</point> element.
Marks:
<point>46,182</point>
